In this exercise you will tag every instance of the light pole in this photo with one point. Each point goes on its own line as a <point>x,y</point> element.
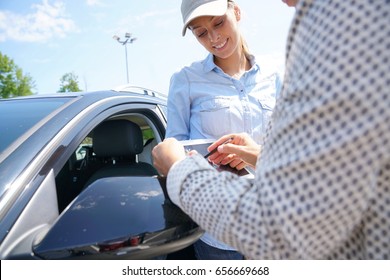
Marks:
<point>128,40</point>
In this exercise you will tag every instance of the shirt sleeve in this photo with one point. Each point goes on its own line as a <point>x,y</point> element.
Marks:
<point>201,191</point>
<point>179,107</point>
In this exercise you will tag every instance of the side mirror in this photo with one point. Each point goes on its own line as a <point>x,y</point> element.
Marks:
<point>119,218</point>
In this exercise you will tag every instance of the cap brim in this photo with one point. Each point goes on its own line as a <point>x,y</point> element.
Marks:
<point>216,8</point>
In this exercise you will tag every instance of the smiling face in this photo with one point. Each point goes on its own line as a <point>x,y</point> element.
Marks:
<point>218,34</point>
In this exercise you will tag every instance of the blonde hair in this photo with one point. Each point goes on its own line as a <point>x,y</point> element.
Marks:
<point>244,44</point>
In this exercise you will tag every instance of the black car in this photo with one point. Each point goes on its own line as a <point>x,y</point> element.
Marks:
<point>77,179</point>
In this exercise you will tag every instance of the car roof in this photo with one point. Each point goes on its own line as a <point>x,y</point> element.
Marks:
<point>139,93</point>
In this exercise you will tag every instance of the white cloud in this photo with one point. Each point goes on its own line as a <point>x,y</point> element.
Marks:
<point>161,19</point>
<point>95,3</point>
<point>47,21</point>
<point>156,14</point>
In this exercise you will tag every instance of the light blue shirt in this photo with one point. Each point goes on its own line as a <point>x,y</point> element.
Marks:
<point>206,103</point>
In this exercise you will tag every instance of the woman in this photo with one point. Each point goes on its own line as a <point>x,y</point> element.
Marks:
<point>224,93</point>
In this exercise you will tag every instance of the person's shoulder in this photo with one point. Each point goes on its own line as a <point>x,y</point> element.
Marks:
<point>190,72</point>
<point>274,76</point>
<point>194,66</point>
<point>269,75</point>
<point>270,65</point>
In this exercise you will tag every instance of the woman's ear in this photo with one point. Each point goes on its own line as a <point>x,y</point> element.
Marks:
<point>237,12</point>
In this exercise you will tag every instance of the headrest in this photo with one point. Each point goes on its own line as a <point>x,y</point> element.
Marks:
<point>117,138</point>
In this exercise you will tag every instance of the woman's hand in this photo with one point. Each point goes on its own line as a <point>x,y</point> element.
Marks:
<point>166,153</point>
<point>242,150</point>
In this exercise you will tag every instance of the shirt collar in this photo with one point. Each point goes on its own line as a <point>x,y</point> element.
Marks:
<point>209,65</point>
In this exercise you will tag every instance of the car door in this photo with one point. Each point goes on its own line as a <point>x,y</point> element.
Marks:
<point>61,220</point>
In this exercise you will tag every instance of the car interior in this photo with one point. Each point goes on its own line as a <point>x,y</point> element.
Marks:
<point>119,146</point>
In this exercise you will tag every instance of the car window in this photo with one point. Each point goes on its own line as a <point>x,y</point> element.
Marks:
<point>18,116</point>
<point>147,134</point>
<point>84,148</point>
<point>83,162</point>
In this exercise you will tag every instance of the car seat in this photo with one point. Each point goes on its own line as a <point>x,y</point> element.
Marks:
<point>116,143</point>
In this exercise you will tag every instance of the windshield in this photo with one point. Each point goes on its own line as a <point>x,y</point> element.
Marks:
<point>19,115</point>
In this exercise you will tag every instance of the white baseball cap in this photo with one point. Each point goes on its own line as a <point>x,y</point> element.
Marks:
<point>191,9</point>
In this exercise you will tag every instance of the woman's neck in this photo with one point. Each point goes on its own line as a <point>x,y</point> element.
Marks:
<point>235,65</point>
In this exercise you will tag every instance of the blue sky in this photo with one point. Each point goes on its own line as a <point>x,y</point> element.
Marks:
<point>48,38</point>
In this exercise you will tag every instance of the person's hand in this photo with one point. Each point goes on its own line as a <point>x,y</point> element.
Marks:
<point>242,150</point>
<point>166,153</point>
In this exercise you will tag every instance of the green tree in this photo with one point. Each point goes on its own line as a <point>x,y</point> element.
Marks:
<point>69,83</point>
<point>12,80</point>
